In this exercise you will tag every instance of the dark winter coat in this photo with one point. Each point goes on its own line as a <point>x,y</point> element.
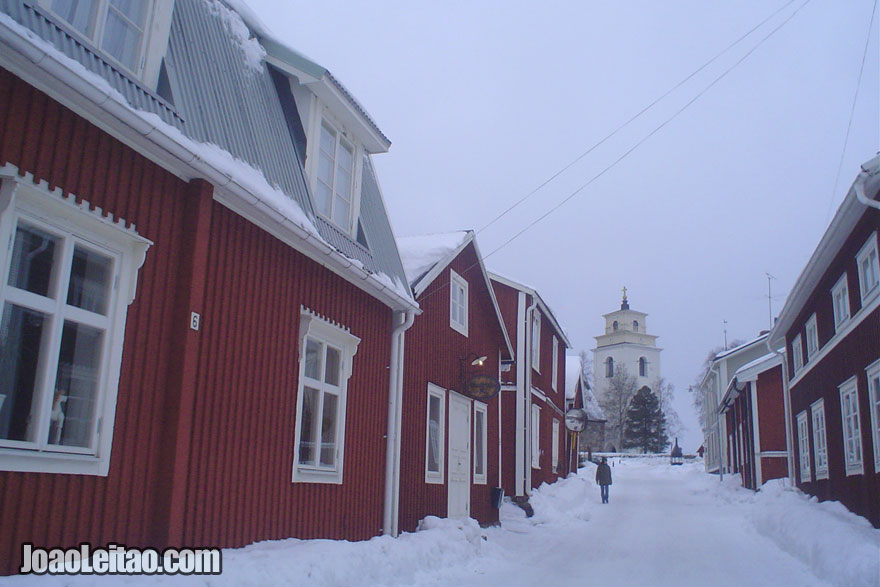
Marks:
<point>603,474</point>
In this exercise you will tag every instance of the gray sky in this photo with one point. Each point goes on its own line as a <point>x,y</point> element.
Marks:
<point>484,101</point>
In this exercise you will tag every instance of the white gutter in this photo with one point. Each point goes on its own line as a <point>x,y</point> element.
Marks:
<point>96,100</point>
<point>527,393</point>
<point>392,438</point>
<point>786,405</point>
<point>859,189</point>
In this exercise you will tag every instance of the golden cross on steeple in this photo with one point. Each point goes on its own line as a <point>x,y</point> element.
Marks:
<point>624,293</point>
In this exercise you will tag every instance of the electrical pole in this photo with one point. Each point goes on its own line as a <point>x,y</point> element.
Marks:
<point>725,335</point>
<point>769,299</point>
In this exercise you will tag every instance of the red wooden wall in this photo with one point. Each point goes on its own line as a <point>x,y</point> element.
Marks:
<point>434,354</point>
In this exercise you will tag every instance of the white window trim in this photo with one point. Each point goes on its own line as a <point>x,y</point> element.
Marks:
<point>315,326</point>
<point>554,370</point>
<point>804,447</point>
<point>555,448</point>
<point>321,114</point>
<point>840,288</point>
<point>811,330</point>
<point>820,438</point>
<point>797,354</point>
<point>869,246</point>
<point>850,386</point>
<point>20,197</point>
<point>536,340</point>
<point>436,477</point>
<point>536,437</point>
<point>481,479</point>
<point>456,280</point>
<point>873,372</point>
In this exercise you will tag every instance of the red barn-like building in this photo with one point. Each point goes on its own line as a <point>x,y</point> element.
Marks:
<point>534,438</point>
<point>830,326</point>
<point>451,442</point>
<point>197,326</point>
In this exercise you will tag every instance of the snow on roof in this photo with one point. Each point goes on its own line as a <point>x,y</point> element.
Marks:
<point>736,349</point>
<point>420,254</point>
<point>572,376</point>
<point>772,359</point>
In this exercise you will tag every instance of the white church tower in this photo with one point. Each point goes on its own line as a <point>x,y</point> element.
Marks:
<point>626,342</point>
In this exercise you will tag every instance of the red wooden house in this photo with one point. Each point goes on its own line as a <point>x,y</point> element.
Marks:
<point>451,441</point>
<point>755,421</point>
<point>830,326</point>
<point>533,391</point>
<point>200,331</point>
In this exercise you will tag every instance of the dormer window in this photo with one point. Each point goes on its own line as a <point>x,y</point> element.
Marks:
<point>335,177</point>
<point>116,26</point>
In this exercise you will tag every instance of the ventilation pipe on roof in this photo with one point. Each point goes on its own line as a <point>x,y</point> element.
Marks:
<point>392,442</point>
<point>859,187</point>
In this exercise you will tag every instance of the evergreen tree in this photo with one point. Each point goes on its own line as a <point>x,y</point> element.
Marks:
<point>645,423</point>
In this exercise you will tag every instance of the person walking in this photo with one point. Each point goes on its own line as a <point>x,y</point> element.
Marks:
<point>603,478</point>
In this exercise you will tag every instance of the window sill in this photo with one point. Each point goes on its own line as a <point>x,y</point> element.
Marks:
<point>304,475</point>
<point>433,479</point>
<point>853,470</point>
<point>41,462</point>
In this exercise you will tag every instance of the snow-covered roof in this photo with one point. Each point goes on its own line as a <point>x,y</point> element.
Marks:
<point>420,254</point>
<point>751,369</point>
<point>572,376</point>
<point>741,347</point>
<point>541,303</point>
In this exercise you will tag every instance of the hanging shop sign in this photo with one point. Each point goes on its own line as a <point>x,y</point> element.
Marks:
<point>482,387</point>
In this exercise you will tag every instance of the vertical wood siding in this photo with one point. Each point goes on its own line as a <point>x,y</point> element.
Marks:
<point>42,137</point>
<point>433,354</point>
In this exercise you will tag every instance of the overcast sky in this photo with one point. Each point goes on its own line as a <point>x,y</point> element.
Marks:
<point>484,101</point>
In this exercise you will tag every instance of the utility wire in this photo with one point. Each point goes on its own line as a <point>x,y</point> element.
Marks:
<point>650,134</point>
<point>637,115</point>
<point>439,287</point>
<point>852,110</point>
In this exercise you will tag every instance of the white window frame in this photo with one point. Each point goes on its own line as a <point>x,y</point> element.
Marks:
<point>797,354</point>
<point>812,333</point>
<point>867,290</point>
<point>840,302</point>
<point>315,327</point>
<point>74,225</point>
<point>536,437</point>
<point>436,477</point>
<point>820,438</point>
<point>483,455</point>
<point>458,283</point>
<point>554,370</point>
<point>536,340</point>
<point>804,447</point>
<point>851,429</point>
<point>873,372</point>
<point>555,448</point>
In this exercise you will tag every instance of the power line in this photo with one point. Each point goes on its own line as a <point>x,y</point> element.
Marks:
<point>634,117</point>
<point>650,134</point>
<point>853,109</point>
<point>439,287</point>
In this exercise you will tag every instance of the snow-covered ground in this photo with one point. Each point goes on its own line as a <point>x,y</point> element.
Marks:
<point>664,525</point>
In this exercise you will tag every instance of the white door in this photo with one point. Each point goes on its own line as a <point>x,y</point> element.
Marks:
<point>459,500</point>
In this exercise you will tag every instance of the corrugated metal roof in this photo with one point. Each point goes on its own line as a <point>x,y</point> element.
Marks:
<point>374,218</point>
<point>68,42</point>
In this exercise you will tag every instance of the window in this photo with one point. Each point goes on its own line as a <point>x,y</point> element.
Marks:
<point>116,26</point>
<point>804,447</point>
<point>643,367</point>
<point>819,439</point>
<point>555,367</point>
<point>536,340</point>
<point>536,437</point>
<point>635,325</point>
<point>869,269</point>
<point>797,354</point>
<point>812,337</point>
<point>615,325</point>
<point>852,439</point>
<point>334,185</point>
<point>435,436</point>
<point>555,449</point>
<point>326,353</point>
<point>873,371</point>
<point>68,277</point>
<point>840,301</point>
<point>609,367</point>
<point>458,303</point>
<point>480,439</point>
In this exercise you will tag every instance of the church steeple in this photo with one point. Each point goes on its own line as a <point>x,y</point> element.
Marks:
<point>624,304</point>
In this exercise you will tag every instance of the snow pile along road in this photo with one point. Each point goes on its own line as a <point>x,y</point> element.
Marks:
<point>664,525</point>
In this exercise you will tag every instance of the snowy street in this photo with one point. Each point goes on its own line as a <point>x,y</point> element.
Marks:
<point>664,526</point>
